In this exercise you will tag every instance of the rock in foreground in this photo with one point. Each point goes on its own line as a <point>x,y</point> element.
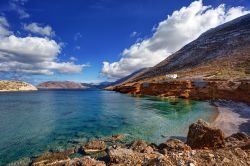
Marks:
<point>201,135</point>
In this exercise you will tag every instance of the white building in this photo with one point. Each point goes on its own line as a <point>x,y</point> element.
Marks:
<point>172,76</point>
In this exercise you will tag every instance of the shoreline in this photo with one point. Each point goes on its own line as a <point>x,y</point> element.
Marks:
<point>229,119</point>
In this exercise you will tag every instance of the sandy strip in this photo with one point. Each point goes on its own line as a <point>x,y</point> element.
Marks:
<point>228,120</point>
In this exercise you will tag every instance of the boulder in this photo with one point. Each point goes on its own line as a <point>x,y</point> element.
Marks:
<point>94,146</point>
<point>202,135</point>
<point>174,145</point>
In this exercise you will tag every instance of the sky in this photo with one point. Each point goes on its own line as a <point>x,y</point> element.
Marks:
<point>100,40</point>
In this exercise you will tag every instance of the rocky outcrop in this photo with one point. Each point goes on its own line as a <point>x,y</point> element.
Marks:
<point>202,135</point>
<point>6,86</point>
<point>94,146</point>
<point>205,146</point>
<point>192,89</point>
<point>61,85</point>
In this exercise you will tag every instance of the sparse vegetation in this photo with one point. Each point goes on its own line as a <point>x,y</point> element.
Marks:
<point>15,86</point>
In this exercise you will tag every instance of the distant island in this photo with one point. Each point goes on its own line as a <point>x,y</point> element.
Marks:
<point>7,86</point>
<point>62,85</point>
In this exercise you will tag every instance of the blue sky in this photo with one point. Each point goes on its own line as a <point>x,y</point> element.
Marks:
<point>84,34</point>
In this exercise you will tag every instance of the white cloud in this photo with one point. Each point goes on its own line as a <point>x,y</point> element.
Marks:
<point>133,34</point>
<point>33,55</point>
<point>73,58</point>
<point>4,25</point>
<point>17,5</point>
<point>38,29</point>
<point>174,32</point>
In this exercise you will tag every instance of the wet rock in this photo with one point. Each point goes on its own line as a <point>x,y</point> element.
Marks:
<point>51,159</point>
<point>202,135</point>
<point>85,161</point>
<point>118,137</point>
<point>94,146</point>
<point>174,145</point>
<point>21,162</point>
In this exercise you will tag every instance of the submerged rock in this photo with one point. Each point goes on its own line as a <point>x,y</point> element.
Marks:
<point>202,135</point>
<point>116,137</point>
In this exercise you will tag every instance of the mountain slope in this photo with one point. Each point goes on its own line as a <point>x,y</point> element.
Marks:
<point>222,52</point>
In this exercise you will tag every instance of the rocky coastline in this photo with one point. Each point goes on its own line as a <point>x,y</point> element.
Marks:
<point>190,89</point>
<point>205,145</point>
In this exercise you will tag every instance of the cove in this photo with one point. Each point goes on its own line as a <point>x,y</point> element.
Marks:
<point>33,122</point>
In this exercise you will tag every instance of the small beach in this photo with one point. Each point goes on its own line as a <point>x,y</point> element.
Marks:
<point>232,117</point>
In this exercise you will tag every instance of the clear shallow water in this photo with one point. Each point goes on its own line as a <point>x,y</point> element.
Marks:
<point>33,122</point>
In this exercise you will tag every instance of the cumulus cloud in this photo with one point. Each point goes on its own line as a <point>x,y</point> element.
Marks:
<point>33,55</point>
<point>38,29</point>
<point>177,30</point>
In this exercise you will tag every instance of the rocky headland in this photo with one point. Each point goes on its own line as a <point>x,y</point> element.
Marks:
<point>10,86</point>
<point>205,145</point>
<point>61,85</point>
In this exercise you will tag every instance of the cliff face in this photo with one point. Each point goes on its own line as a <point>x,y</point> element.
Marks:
<point>61,85</point>
<point>196,90</point>
<point>6,86</point>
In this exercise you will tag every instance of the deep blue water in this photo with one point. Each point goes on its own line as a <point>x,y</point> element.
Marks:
<point>33,122</point>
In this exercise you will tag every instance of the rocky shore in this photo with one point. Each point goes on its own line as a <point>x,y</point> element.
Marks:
<point>205,145</point>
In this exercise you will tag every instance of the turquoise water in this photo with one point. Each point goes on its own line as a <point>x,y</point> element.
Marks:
<point>33,122</point>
